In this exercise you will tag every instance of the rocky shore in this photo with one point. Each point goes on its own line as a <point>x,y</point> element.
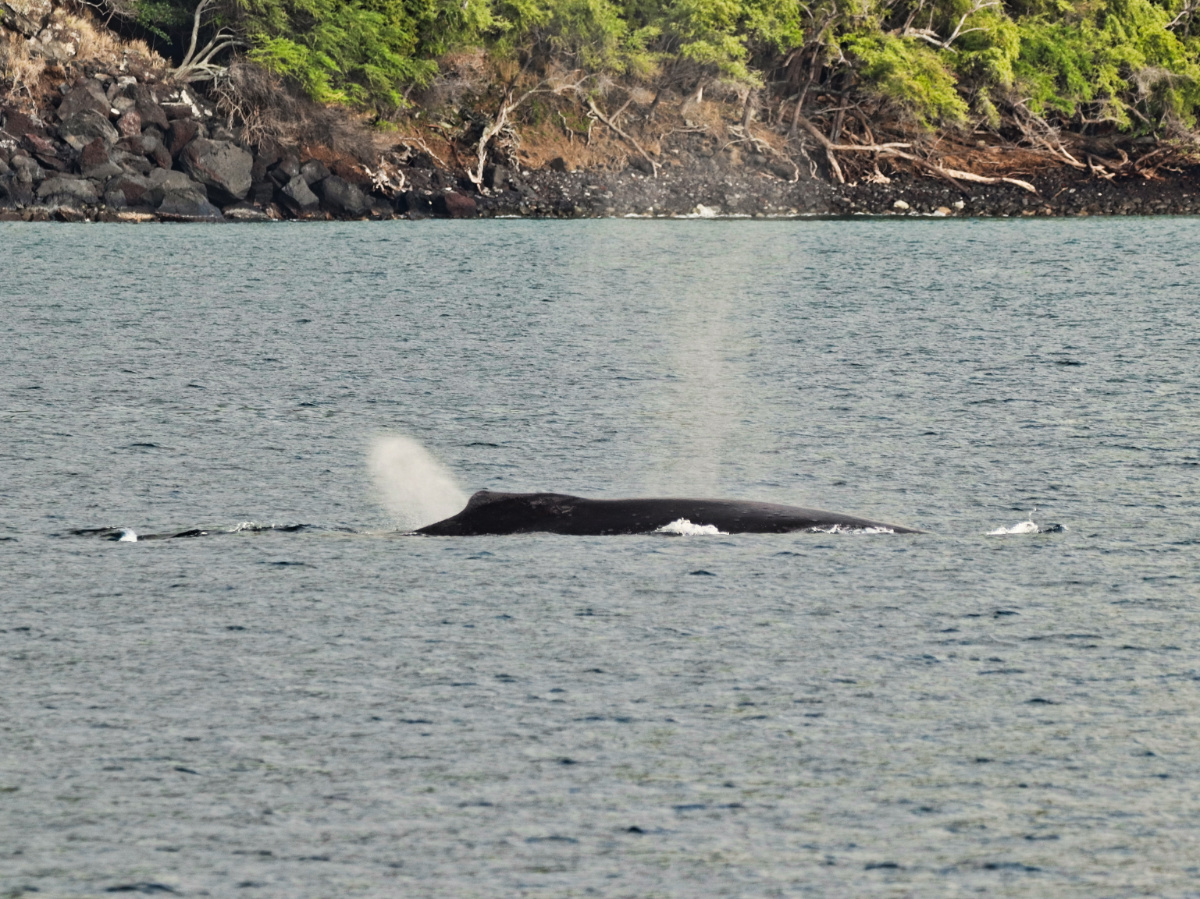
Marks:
<point>122,146</point>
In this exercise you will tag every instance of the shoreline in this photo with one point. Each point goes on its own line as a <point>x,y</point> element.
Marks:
<point>553,195</point>
<point>116,147</point>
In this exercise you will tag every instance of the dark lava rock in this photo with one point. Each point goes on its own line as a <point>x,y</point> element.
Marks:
<point>340,196</point>
<point>496,177</point>
<point>165,181</point>
<point>18,124</point>
<point>286,169</point>
<point>130,123</point>
<point>27,170</point>
<point>223,167</point>
<point>180,133</point>
<point>148,145</point>
<point>455,205</point>
<point>298,197</point>
<point>83,127</point>
<point>15,193</point>
<point>264,158</point>
<point>131,162</point>
<point>132,188</point>
<point>262,193</point>
<point>313,171</point>
<point>87,96</point>
<point>95,163</point>
<point>40,144</point>
<point>414,203</point>
<point>186,206</point>
<point>63,190</point>
<point>148,108</point>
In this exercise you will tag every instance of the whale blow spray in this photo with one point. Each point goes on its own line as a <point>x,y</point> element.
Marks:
<point>413,486</point>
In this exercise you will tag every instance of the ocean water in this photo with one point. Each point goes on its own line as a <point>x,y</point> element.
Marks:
<point>342,709</point>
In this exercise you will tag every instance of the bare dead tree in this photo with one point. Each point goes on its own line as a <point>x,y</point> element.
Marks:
<point>897,150</point>
<point>198,65</point>
<point>507,105</point>
<point>930,35</point>
<point>1184,17</point>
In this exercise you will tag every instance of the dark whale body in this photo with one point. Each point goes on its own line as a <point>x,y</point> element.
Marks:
<point>556,513</point>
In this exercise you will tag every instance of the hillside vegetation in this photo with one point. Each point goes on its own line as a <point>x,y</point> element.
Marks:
<point>1132,65</point>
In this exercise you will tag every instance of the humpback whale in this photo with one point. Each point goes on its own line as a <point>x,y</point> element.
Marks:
<point>489,512</point>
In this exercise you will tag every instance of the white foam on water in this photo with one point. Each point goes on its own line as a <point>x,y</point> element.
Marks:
<point>128,535</point>
<point>1023,527</point>
<point>844,529</point>
<point>681,527</point>
<point>1029,526</point>
<point>413,486</point>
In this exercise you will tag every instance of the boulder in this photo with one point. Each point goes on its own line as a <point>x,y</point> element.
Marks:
<point>148,108</point>
<point>87,96</point>
<point>313,171</point>
<point>27,170</point>
<point>264,158</point>
<point>18,124</point>
<point>170,180</point>
<point>94,161</point>
<point>15,193</point>
<point>19,21</point>
<point>147,144</point>
<point>63,190</point>
<point>134,189</point>
<point>185,206</point>
<point>83,127</point>
<point>454,205</point>
<point>496,177</point>
<point>262,193</point>
<point>180,133</point>
<point>130,123</point>
<point>40,144</point>
<point>340,196</point>
<point>221,166</point>
<point>286,169</point>
<point>133,163</point>
<point>298,197</point>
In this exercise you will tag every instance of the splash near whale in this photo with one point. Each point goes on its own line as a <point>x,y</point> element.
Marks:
<point>489,512</point>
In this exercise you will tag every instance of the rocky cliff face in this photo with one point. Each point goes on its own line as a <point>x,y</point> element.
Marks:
<point>96,129</point>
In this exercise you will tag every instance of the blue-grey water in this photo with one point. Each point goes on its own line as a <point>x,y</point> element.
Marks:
<point>344,710</point>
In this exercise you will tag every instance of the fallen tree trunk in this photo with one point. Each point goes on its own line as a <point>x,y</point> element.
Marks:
<point>654,166</point>
<point>897,150</point>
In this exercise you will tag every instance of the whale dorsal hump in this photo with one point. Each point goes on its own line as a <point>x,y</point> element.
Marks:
<point>483,498</point>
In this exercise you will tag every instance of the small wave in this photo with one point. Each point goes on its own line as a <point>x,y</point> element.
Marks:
<point>129,535</point>
<point>681,527</point>
<point>1028,526</point>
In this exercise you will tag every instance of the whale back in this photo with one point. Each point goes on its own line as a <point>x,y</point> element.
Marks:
<point>494,512</point>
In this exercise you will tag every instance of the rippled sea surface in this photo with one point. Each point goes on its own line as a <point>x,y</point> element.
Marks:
<point>343,710</point>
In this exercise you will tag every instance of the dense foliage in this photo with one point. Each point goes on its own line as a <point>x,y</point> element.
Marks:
<point>1134,64</point>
